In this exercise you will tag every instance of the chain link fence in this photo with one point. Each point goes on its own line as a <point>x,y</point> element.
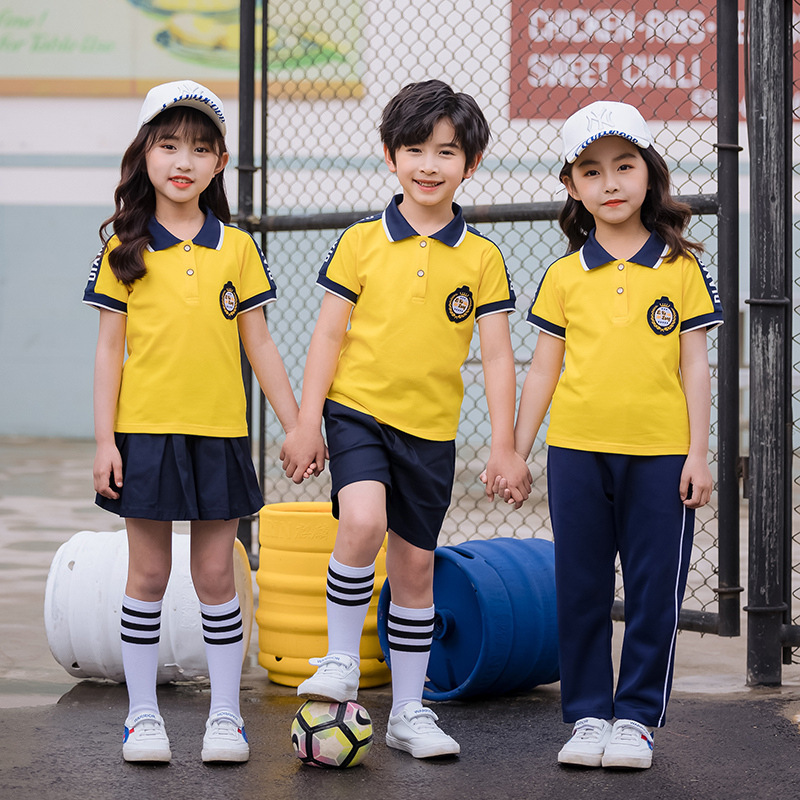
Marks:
<point>332,68</point>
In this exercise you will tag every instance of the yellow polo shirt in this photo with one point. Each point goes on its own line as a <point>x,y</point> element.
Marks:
<point>183,370</point>
<point>621,389</point>
<point>415,302</point>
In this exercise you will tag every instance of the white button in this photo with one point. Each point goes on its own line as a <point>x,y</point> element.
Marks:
<point>423,243</point>
<point>190,272</point>
<point>187,247</point>
<point>620,266</point>
<point>620,290</point>
<point>421,273</point>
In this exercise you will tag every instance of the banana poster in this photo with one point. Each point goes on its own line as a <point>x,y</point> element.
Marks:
<point>121,47</point>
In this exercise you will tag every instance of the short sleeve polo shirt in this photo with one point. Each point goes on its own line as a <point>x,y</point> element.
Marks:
<point>621,390</point>
<point>415,302</point>
<point>183,370</point>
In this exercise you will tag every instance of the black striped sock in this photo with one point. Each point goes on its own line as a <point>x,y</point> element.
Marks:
<point>139,626</point>
<point>140,631</point>
<point>410,632</point>
<point>347,589</point>
<point>222,626</point>
<point>223,632</point>
<point>349,594</point>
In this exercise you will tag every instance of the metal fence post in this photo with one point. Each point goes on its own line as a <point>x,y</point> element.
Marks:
<point>264,120</point>
<point>769,76</point>
<point>729,587</point>
<point>245,168</point>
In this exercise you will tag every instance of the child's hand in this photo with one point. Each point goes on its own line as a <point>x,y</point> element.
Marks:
<point>508,477</point>
<point>303,454</point>
<point>498,489</point>
<point>313,469</point>
<point>107,471</point>
<point>696,482</point>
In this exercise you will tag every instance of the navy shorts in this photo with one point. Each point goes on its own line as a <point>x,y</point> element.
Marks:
<point>418,473</point>
<point>179,477</point>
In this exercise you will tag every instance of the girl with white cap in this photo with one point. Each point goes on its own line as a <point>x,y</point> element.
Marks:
<point>179,288</point>
<point>622,354</point>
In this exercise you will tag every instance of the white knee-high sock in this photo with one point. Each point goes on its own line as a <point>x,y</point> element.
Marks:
<point>223,633</point>
<point>349,594</point>
<point>140,630</point>
<point>410,634</point>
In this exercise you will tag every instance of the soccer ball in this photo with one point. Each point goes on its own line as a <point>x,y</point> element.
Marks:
<point>331,734</point>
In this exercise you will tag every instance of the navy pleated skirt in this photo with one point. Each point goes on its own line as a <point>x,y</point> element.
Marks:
<point>181,477</point>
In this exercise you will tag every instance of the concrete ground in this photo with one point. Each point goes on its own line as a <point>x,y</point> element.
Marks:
<point>60,736</point>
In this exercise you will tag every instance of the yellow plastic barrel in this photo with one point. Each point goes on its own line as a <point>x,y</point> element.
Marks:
<point>296,541</point>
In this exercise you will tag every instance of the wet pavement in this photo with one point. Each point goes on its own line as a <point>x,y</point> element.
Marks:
<point>60,736</point>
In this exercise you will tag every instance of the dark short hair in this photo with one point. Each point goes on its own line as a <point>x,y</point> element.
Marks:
<point>411,115</point>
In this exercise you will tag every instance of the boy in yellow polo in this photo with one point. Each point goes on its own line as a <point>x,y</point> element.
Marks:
<point>403,293</point>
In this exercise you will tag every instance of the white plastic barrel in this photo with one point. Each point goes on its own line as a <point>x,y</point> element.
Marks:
<point>83,600</point>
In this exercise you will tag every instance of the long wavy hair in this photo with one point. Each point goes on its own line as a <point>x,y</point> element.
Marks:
<point>135,198</point>
<point>660,212</point>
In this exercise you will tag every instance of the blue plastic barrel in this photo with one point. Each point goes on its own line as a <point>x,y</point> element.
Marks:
<point>496,629</point>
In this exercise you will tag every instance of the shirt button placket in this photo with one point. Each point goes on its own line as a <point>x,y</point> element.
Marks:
<point>621,300</point>
<point>190,268</point>
<point>421,279</point>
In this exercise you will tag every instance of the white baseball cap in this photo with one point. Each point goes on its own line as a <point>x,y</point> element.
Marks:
<point>603,118</point>
<point>182,93</point>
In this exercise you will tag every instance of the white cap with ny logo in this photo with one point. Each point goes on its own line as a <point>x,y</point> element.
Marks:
<point>603,118</point>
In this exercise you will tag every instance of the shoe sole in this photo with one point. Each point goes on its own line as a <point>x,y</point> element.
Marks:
<point>331,697</point>
<point>628,762</point>
<point>235,756</point>
<point>581,759</point>
<point>153,756</point>
<point>423,752</point>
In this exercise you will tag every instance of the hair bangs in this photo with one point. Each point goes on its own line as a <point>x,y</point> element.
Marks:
<point>660,212</point>
<point>182,122</point>
<point>413,113</point>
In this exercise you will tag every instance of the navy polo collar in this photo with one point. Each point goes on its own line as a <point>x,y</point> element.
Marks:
<point>210,235</point>
<point>397,226</point>
<point>651,255</point>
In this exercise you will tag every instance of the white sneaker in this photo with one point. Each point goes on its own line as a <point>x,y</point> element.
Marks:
<point>145,738</point>
<point>225,739</point>
<point>336,679</point>
<point>415,730</point>
<point>590,736</point>
<point>631,745</point>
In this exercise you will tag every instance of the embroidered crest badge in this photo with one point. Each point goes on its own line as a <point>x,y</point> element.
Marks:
<point>229,300</point>
<point>662,316</point>
<point>459,304</point>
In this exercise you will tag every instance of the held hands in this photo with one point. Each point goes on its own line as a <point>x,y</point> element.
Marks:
<point>303,453</point>
<point>507,477</point>
<point>107,471</point>
<point>499,490</point>
<point>696,482</point>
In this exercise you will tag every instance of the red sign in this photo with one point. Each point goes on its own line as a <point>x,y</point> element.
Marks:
<point>567,53</point>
